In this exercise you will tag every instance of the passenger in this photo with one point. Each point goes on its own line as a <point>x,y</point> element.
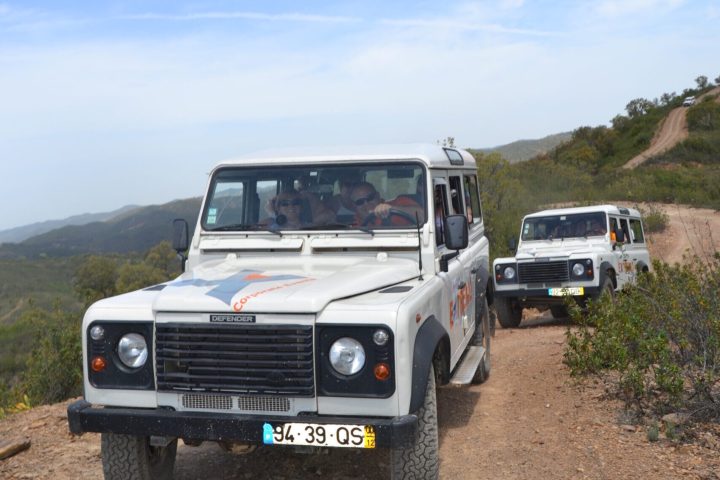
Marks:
<point>342,203</point>
<point>596,228</point>
<point>288,209</point>
<point>372,209</point>
<point>321,214</point>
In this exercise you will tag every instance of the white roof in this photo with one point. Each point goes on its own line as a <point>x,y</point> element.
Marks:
<point>431,155</point>
<point>611,209</point>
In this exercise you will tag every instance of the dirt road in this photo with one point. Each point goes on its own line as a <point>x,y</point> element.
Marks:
<point>672,131</point>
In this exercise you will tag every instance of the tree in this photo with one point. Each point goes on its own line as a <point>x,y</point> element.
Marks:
<point>134,276</point>
<point>666,98</point>
<point>96,278</point>
<point>717,80</point>
<point>702,82</point>
<point>164,258</point>
<point>638,107</point>
<point>447,142</point>
<point>620,123</point>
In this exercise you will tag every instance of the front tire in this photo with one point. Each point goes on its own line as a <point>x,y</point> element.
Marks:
<point>558,311</point>
<point>509,312</point>
<point>420,461</point>
<point>128,457</point>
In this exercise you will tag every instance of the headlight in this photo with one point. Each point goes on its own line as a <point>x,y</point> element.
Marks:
<point>578,269</point>
<point>347,356</point>
<point>509,273</point>
<point>132,350</point>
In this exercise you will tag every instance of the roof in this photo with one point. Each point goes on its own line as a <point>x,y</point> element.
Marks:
<point>431,155</point>
<point>611,209</point>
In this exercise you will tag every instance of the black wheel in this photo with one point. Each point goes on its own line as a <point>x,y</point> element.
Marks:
<point>559,311</point>
<point>482,338</point>
<point>127,457</point>
<point>420,461</point>
<point>386,221</point>
<point>509,312</point>
<point>606,289</point>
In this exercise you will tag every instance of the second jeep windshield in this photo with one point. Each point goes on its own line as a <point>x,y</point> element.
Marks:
<point>564,226</point>
<point>372,196</point>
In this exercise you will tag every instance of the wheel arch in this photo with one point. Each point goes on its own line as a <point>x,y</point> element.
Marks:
<point>608,270</point>
<point>432,346</point>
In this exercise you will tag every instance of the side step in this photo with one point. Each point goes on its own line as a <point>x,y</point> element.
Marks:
<point>465,370</point>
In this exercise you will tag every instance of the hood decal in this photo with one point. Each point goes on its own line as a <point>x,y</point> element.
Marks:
<point>226,288</point>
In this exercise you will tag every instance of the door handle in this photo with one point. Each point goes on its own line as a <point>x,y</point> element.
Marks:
<point>461,286</point>
<point>474,270</point>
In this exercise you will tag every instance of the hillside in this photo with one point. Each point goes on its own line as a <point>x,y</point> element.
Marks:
<point>522,150</point>
<point>132,231</point>
<point>18,234</point>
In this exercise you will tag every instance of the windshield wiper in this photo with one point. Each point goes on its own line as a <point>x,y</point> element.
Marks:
<point>339,226</point>
<point>242,227</point>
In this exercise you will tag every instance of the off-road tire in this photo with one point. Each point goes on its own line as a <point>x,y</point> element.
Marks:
<point>509,312</point>
<point>559,311</point>
<point>127,457</point>
<point>421,460</point>
<point>482,338</point>
<point>606,288</point>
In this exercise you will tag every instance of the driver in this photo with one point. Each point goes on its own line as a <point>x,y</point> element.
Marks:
<point>370,208</point>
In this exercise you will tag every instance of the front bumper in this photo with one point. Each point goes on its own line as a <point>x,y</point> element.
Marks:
<point>542,293</point>
<point>395,432</point>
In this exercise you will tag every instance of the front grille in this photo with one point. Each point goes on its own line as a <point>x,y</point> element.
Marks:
<point>205,401</point>
<point>201,401</point>
<point>253,360</point>
<point>539,272</point>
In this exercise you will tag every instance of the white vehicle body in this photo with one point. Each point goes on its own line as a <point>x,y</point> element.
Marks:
<point>688,101</point>
<point>555,242</point>
<point>260,288</point>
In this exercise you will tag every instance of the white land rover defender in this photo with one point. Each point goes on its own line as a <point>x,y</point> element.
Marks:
<point>324,298</point>
<point>583,252</point>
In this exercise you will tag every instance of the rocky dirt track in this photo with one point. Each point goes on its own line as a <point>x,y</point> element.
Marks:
<point>529,420</point>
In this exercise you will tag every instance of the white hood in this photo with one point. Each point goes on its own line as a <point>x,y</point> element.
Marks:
<point>240,285</point>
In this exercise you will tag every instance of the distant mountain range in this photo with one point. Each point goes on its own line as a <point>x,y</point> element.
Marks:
<point>135,230</point>
<point>18,234</point>
<point>522,150</point>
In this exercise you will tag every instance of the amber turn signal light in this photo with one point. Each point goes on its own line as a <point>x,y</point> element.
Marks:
<point>382,371</point>
<point>98,364</point>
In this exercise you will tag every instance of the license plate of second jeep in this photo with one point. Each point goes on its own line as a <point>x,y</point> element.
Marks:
<point>561,292</point>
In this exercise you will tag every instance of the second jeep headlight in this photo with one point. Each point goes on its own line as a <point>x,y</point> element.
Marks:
<point>578,269</point>
<point>132,350</point>
<point>347,356</point>
<point>509,273</point>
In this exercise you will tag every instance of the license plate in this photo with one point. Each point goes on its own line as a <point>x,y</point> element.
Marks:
<point>561,292</point>
<point>351,436</point>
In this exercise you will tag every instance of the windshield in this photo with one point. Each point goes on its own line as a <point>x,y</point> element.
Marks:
<point>312,197</point>
<point>564,226</point>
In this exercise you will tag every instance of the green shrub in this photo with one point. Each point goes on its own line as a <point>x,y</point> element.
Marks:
<point>662,337</point>
<point>654,219</point>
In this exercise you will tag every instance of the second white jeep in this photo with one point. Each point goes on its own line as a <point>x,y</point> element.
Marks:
<point>583,252</point>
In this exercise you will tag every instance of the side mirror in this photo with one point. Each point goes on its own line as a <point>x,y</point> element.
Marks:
<point>180,240</point>
<point>456,232</point>
<point>512,244</point>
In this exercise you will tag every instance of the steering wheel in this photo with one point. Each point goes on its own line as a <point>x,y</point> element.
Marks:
<point>386,221</point>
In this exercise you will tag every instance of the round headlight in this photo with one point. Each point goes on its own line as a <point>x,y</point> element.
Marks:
<point>347,356</point>
<point>509,273</point>
<point>132,350</point>
<point>578,269</point>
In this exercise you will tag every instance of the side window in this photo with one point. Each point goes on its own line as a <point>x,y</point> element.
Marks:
<point>456,199</point>
<point>614,225</point>
<point>472,199</point>
<point>636,231</point>
<point>626,230</point>
<point>440,208</point>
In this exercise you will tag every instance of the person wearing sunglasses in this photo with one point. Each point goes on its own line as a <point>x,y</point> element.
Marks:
<point>371,209</point>
<point>288,208</point>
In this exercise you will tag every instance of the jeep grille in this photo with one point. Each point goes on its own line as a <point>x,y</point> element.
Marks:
<point>539,272</point>
<point>255,360</point>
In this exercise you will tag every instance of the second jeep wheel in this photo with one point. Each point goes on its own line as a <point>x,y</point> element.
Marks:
<point>420,461</point>
<point>127,457</point>
<point>509,312</point>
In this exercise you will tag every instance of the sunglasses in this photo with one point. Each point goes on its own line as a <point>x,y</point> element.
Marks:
<point>286,203</point>
<point>363,200</point>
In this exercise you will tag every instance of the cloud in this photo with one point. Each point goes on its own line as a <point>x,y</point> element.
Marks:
<point>617,8</point>
<point>464,26</point>
<point>281,17</point>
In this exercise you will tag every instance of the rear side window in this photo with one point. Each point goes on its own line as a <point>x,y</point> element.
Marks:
<point>636,231</point>
<point>472,198</point>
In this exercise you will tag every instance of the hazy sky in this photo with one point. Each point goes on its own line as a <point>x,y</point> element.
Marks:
<point>104,104</point>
